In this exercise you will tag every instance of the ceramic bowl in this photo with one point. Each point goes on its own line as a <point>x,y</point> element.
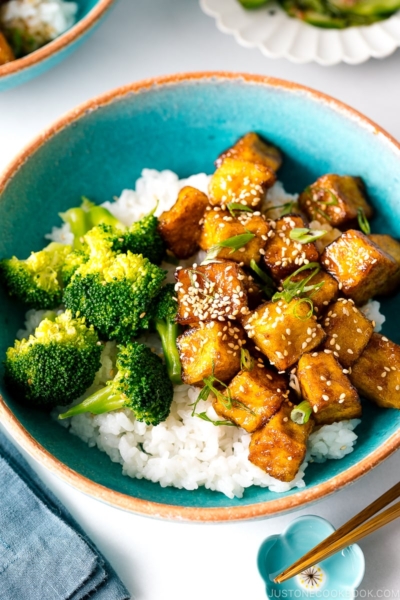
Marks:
<point>90,13</point>
<point>277,35</point>
<point>336,577</point>
<point>182,123</point>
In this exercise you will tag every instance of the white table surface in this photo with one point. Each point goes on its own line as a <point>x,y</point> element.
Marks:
<point>173,561</point>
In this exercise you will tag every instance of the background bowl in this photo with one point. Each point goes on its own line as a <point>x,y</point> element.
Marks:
<point>182,123</point>
<point>271,30</point>
<point>90,13</point>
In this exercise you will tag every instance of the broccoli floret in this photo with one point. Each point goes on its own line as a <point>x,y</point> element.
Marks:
<point>141,384</point>
<point>164,320</point>
<point>56,365</point>
<point>142,237</point>
<point>36,281</point>
<point>114,293</point>
<point>72,262</point>
<point>82,219</point>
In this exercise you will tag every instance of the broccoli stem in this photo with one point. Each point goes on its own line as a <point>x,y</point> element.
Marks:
<point>102,401</point>
<point>77,220</point>
<point>99,215</point>
<point>168,332</point>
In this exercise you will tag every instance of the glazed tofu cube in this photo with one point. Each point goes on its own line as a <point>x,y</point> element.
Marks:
<point>329,391</point>
<point>283,332</point>
<point>252,398</point>
<point>283,255</point>
<point>335,199</point>
<point>362,269</point>
<point>279,448</point>
<point>391,247</point>
<point>240,181</point>
<point>213,292</point>
<point>219,225</point>
<point>348,331</point>
<point>180,227</point>
<point>321,296</point>
<point>376,374</point>
<point>6,53</point>
<point>213,348</point>
<point>253,148</point>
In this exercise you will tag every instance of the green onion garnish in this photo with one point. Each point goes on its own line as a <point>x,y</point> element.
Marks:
<point>291,289</point>
<point>332,202</point>
<point>287,208</point>
<point>235,243</point>
<point>236,206</point>
<point>309,313</point>
<point>363,221</point>
<point>304,235</point>
<point>269,286</point>
<point>205,417</point>
<point>301,413</point>
<point>246,362</point>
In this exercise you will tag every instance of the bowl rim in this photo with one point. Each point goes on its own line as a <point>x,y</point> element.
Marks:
<point>169,511</point>
<point>59,43</point>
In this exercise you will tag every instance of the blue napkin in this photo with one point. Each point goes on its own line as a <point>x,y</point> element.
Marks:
<point>44,555</point>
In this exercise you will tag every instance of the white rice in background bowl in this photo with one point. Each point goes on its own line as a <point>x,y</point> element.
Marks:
<point>185,451</point>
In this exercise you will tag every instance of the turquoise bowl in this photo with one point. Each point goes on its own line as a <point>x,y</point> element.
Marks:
<point>90,13</point>
<point>336,577</point>
<point>182,123</point>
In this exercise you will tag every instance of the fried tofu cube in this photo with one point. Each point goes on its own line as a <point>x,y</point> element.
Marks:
<point>240,181</point>
<point>329,391</point>
<point>283,332</point>
<point>213,348</point>
<point>391,247</point>
<point>362,269</point>
<point>335,199</point>
<point>213,292</point>
<point>283,256</point>
<point>6,53</point>
<point>321,296</point>
<point>376,374</point>
<point>219,225</point>
<point>180,227</point>
<point>280,447</point>
<point>252,398</point>
<point>348,331</point>
<point>253,148</point>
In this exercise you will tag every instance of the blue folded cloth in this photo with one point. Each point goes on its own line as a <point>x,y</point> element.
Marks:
<point>44,554</point>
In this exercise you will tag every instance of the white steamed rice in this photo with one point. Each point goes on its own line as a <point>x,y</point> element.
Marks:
<point>184,451</point>
<point>41,20</point>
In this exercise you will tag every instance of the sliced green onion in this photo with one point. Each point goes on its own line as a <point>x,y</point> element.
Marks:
<point>235,242</point>
<point>243,406</point>
<point>293,289</point>
<point>246,362</point>
<point>303,235</point>
<point>269,286</point>
<point>310,312</point>
<point>363,221</point>
<point>236,206</point>
<point>332,202</point>
<point>205,417</point>
<point>287,208</point>
<point>301,413</point>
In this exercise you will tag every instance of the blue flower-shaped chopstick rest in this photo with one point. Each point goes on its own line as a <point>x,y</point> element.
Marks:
<point>337,576</point>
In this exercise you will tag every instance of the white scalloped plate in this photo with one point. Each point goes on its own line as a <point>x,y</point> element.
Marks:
<point>277,35</point>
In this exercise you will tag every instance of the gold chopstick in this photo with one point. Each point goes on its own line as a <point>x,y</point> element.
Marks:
<point>349,533</point>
